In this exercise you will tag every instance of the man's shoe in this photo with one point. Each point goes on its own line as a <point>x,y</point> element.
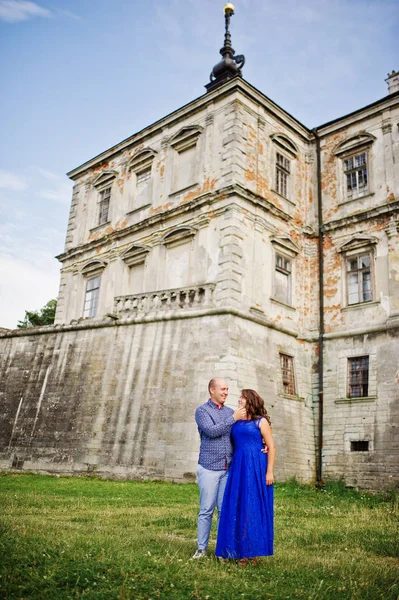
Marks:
<point>199,554</point>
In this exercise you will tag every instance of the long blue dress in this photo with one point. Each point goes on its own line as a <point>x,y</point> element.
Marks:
<point>246,526</point>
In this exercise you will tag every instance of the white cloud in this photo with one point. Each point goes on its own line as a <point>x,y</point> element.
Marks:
<point>60,189</point>
<point>14,11</point>
<point>71,15</point>
<point>9,181</point>
<point>24,287</point>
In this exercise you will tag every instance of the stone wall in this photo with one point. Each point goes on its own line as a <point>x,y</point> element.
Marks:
<point>374,419</point>
<point>119,400</point>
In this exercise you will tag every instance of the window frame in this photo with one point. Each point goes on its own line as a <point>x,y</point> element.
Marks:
<point>288,272</point>
<point>351,383</point>
<point>360,272</point>
<point>292,378</point>
<point>355,170</point>
<point>96,297</point>
<point>104,201</point>
<point>355,145</point>
<point>282,175</point>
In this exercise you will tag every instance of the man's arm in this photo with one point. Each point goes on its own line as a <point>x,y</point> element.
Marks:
<point>214,430</point>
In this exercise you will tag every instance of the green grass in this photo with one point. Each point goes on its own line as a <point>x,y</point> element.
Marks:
<point>87,538</point>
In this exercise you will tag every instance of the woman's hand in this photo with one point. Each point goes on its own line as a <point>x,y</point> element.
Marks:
<point>269,478</point>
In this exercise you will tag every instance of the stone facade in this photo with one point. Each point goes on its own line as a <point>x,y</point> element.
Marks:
<point>192,251</point>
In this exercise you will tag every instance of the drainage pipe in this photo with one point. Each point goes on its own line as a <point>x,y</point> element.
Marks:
<point>319,472</point>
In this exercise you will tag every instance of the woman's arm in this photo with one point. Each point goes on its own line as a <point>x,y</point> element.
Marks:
<point>267,435</point>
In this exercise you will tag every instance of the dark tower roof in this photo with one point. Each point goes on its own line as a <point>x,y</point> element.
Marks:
<point>230,66</point>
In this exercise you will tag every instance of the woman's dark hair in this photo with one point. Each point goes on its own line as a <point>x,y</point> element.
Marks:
<point>255,405</point>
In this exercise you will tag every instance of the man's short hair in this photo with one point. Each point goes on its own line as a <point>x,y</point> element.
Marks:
<point>213,382</point>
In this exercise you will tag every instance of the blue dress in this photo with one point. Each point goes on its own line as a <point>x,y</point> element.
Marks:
<point>246,526</point>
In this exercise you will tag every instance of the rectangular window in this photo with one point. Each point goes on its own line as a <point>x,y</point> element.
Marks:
<point>105,196</point>
<point>91,298</point>
<point>185,168</point>
<point>287,373</point>
<point>360,446</point>
<point>358,377</point>
<point>358,270</point>
<point>355,169</point>
<point>143,177</point>
<point>282,279</point>
<point>282,174</point>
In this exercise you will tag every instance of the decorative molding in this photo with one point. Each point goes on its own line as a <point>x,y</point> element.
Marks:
<point>135,255</point>
<point>186,138</point>
<point>178,236</point>
<point>386,127</point>
<point>372,213</point>
<point>93,268</point>
<point>142,160</point>
<point>357,241</point>
<point>106,177</point>
<point>354,142</point>
<point>285,143</point>
<point>209,119</point>
<point>285,242</point>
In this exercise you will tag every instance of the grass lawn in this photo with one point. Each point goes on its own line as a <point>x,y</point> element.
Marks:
<point>87,538</point>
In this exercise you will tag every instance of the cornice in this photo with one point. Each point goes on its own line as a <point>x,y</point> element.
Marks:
<point>202,200</point>
<point>372,213</point>
<point>208,99</point>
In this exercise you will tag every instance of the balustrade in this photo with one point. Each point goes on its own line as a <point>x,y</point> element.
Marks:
<point>178,299</point>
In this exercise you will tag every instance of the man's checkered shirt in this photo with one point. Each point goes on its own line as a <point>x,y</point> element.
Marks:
<point>214,425</point>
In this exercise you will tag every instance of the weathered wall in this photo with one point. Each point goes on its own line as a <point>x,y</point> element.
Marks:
<point>120,400</point>
<point>374,419</point>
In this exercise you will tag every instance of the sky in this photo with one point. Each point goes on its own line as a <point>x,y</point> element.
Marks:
<point>78,76</point>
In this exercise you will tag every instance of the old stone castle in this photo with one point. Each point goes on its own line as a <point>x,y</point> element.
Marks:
<point>225,239</point>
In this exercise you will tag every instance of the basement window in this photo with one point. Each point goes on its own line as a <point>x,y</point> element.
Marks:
<point>360,446</point>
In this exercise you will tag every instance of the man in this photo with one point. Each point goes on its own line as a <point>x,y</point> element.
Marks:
<point>214,421</point>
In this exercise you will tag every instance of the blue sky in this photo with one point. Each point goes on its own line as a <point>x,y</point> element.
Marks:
<point>79,76</point>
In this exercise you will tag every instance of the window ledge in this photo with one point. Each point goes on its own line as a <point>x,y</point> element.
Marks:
<point>283,197</point>
<point>292,397</point>
<point>136,210</point>
<point>349,200</point>
<point>360,305</point>
<point>276,301</point>
<point>355,400</point>
<point>182,190</point>
<point>97,227</point>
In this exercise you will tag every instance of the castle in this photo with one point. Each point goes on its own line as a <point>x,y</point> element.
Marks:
<point>225,239</point>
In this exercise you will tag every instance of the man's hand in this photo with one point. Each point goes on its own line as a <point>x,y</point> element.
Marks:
<point>239,414</point>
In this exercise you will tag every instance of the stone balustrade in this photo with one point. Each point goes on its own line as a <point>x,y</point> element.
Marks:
<point>178,299</point>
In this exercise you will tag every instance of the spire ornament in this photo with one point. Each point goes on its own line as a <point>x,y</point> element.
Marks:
<point>230,66</point>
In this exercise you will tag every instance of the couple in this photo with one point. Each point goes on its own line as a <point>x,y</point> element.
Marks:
<point>243,493</point>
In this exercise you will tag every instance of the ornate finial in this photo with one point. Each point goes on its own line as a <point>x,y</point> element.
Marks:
<point>230,66</point>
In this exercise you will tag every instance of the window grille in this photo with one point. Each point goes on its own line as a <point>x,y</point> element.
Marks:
<point>355,169</point>
<point>105,197</point>
<point>91,298</point>
<point>287,373</point>
<point>282,174</point>
<point>358,377</point>
<point>359,287</point>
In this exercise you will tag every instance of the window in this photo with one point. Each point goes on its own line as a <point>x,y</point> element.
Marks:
<point>355,170</point>
<point>186,156</point>
<point>360,446</point>
<point>287,373</point>
<point>282,174</point>
<point>143,177</point>
<point>358,377</point>
<point>105,196</point>
<point>91,298</point>
<point>282,279</point>
<point>358,270</point>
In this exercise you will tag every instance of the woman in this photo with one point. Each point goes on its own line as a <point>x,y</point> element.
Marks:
<point>246,520</point>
